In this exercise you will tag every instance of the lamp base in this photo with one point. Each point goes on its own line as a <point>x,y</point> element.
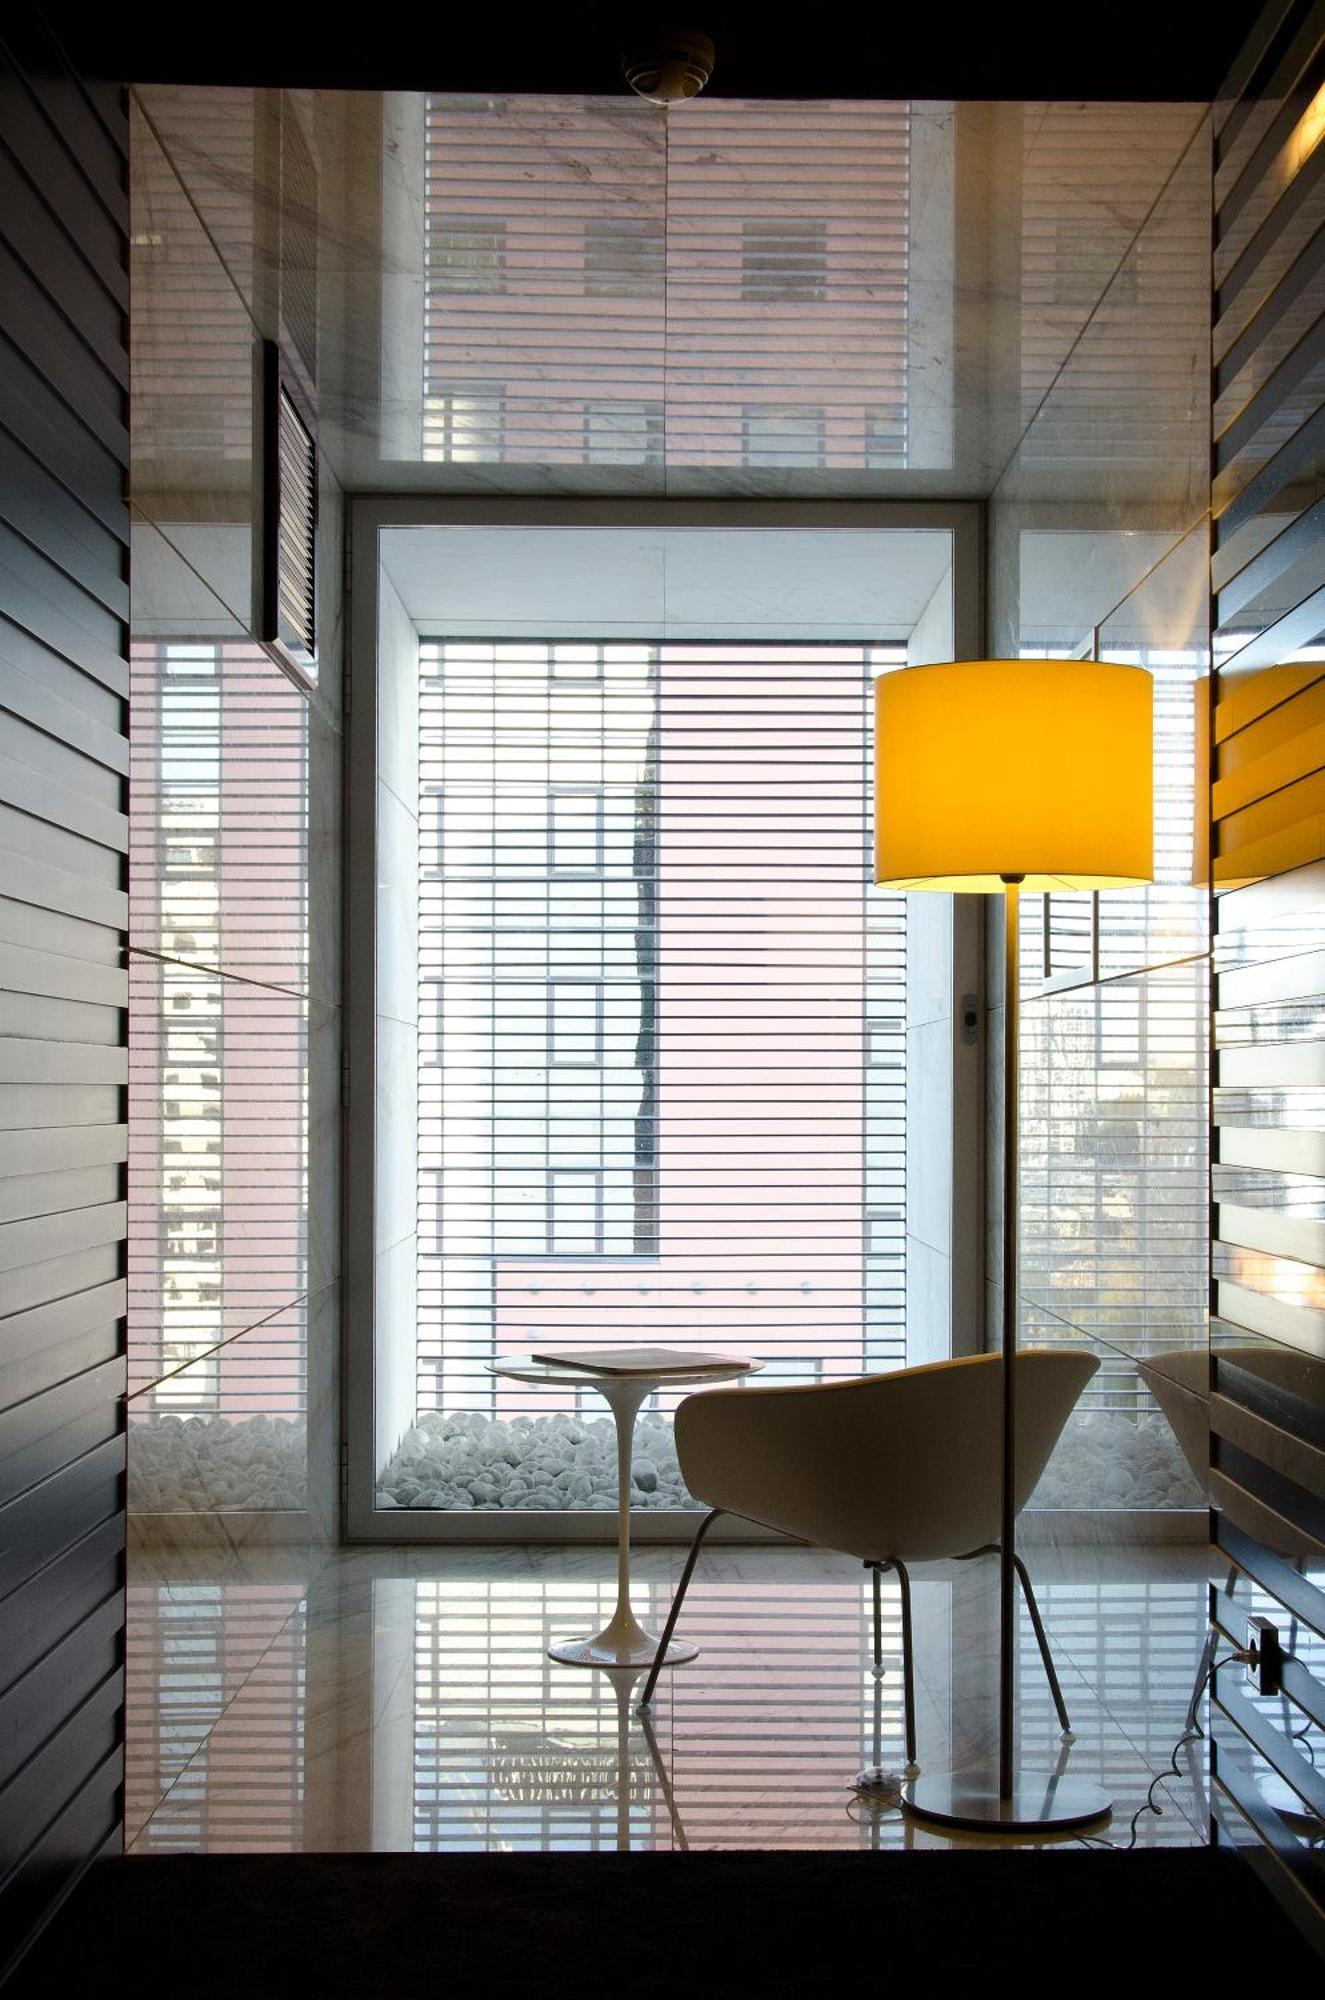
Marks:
<point>1040,1802</point>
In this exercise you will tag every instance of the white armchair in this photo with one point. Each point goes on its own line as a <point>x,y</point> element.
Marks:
<point>895,1469</point>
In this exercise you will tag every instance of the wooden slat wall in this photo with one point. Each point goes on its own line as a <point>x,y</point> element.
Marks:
<point>1267,1410</point>
<point>63,837</point>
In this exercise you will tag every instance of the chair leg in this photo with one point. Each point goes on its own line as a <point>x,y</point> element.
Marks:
<point>1064,1722</point>
<point>908,1658</point>
<point>660,1656</point>
<point>908,1665</point>
<point>873,1778</point>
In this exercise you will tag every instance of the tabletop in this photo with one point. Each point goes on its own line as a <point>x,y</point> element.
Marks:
<point>521,1370</point>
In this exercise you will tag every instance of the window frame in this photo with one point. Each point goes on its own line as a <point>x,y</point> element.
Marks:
<point>369,516</point>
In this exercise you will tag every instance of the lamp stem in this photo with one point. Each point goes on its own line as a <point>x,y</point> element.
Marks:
<point>1022,1802</point>
<point>1007,1602</point>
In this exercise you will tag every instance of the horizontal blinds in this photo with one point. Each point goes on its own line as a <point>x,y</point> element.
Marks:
<point>192,360</point>
<point>1109,377</point>
<point>608,281</point>
<point>219,826</point>
<point>503,1756</point>
<point>661,1016</point>
<point>218,1079</point>
<point>1088,178</point>
<point>1114,1084</point>
<point>1090,936</point>
<point>1113,1166</point>
<point>196,1782</point>
<point>296,532</point>
<point>480,1749</point>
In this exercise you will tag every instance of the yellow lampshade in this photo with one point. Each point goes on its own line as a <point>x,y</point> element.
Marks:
<point>986,769</point>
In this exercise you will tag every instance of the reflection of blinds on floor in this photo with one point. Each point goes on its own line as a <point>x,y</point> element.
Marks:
<point>662,1058</point>
<point>504,1757</point>
<point>217,1675</point>
<point>608,282</point>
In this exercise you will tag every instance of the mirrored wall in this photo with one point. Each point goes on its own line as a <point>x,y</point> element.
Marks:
<point>1100,550</point>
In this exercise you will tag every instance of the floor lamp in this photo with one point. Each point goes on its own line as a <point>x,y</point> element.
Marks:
<point>994,776</point>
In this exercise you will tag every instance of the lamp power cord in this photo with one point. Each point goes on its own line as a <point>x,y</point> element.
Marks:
<point>1243,1655</point>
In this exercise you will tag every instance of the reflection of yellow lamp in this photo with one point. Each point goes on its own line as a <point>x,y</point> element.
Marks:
<point>993,776</point>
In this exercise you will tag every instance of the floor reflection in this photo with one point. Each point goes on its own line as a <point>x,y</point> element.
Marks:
<point>404,1700</point>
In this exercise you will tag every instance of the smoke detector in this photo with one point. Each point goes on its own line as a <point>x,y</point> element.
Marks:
<point>669,66</point>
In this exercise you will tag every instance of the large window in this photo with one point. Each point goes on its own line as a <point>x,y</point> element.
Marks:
<point>661,1022</point>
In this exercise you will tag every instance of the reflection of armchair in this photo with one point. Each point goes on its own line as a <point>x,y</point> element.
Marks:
<point>1179,1381</point>
<point>894,1469</point>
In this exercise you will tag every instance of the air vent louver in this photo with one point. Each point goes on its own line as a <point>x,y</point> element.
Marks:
<point>289,623</point>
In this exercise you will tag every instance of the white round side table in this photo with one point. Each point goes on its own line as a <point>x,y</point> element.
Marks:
<point>623,1641</point>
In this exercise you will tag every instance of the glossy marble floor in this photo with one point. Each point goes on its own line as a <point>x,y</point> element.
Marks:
<point>402,1699</point>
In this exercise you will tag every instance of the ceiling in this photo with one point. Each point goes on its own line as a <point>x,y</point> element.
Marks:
<point>1180,50</point>
<point>1017,224</point>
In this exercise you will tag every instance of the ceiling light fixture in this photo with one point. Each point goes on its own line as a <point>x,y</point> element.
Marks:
<point>670,65</point>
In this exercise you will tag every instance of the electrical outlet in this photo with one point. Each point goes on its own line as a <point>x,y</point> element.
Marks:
<point>1266,1666</point>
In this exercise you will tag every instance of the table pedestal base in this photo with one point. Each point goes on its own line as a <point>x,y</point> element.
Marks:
<point>622,1643</point>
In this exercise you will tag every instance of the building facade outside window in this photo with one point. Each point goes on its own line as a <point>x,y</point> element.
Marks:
<point>885,437</point>
<point>791,436</point>
<point>784,261</point>
<point>218,1113</point>
<point>463,426</point>
<point>623,259</point>
<point>467,257</point>
<point>661,1079</point>
<point>628,280</point>
<point>623,433</point>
